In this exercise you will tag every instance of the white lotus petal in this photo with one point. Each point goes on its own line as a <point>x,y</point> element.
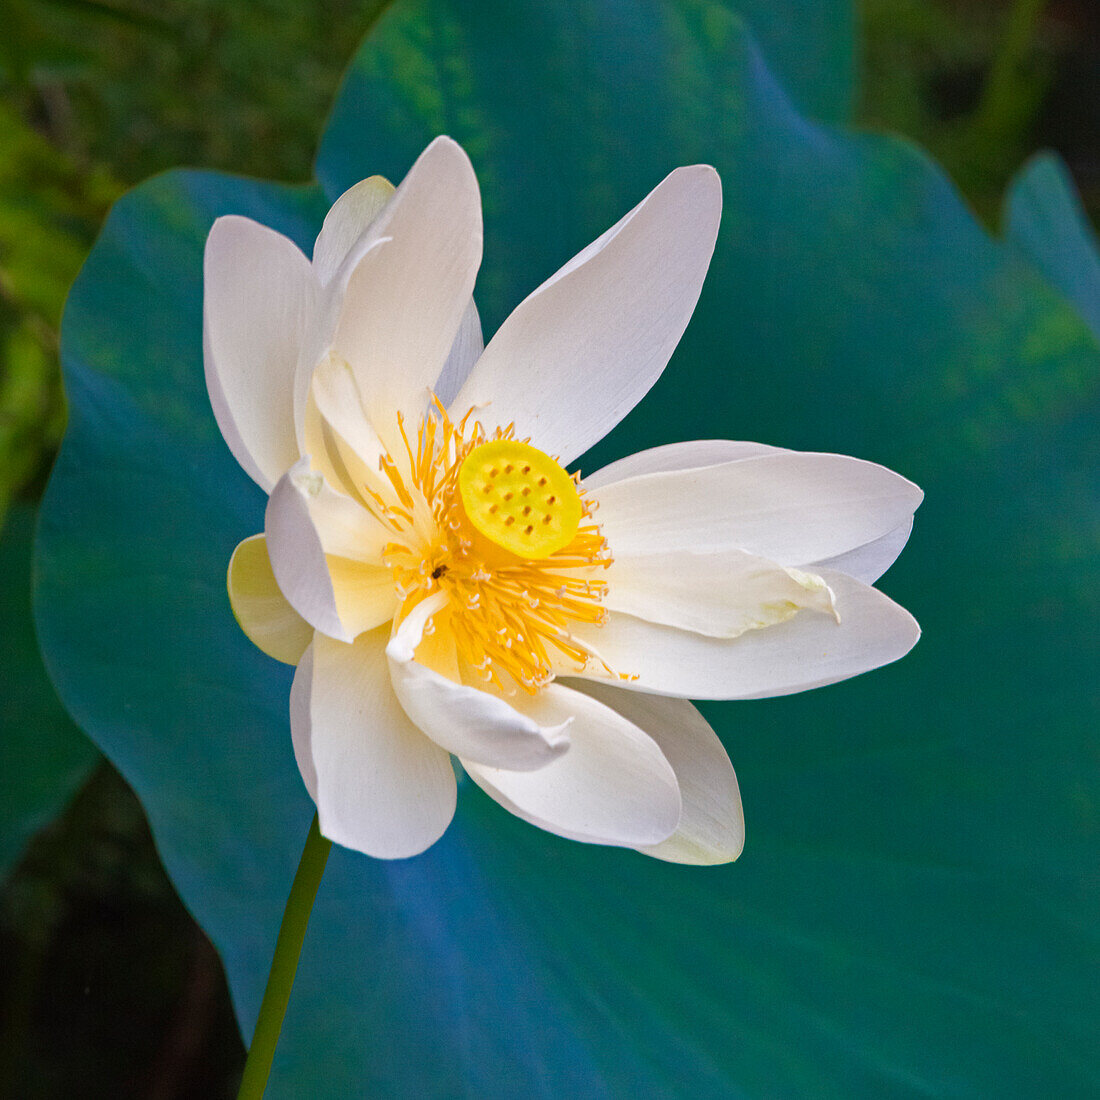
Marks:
<point>350,217</point>
<point>336,398</point>
<point>365,593</point>
<point>584,348</point>
<point>405,300</point>
<point>470,723</point>
<point>258,295</point>
<point>318,336</point>
<point>805,652</point>
<point>464,354</point>
<point>300,692</point>
<point>613,786</point>
<point>712,824</point>
<point>868,562</point>
<point>382,787</point>
<point>329,455</point>
<point>304,522</point>
<point>345,528</point>
<point>298,558</point>
<point>260,608</point>
<point>340,403</point>
<point>721,594</point>
<point>792,507</point>
<point>677,456</point>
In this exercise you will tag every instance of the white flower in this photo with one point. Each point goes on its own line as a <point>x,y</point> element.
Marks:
<point>445,587</point>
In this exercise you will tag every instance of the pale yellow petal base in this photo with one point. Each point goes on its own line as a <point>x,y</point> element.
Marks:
<point>260,608</point>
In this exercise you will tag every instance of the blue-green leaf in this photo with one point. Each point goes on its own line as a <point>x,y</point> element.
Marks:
<point>810,45</point>
<point>914,911</point>
<point>1044,219</point>
<point>45,757</point>
<point>143,509</point>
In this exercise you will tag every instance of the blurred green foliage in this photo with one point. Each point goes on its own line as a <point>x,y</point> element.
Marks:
<point>982,85</point>
<point>49,211</point>
<point>136,86</point>
<point>96,95</point>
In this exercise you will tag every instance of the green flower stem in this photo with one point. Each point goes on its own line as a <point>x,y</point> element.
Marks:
<point>284,966</point>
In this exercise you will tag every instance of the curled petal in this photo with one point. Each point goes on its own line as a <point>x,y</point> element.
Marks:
<point>340,404</point>
<point>317,339</point>
<point>613,786</point>
<point>336,397</point>
<point>404,301</point>
<point>712,824</point>
<point>805,652</point>
<point>260,607</point>
<point>312,534</point>
<point>721,594</point>
<point>331,456</point>
<point>467,721</point>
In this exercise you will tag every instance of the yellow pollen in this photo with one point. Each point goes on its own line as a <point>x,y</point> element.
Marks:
<point>519,498</point>
<point>509,618</point>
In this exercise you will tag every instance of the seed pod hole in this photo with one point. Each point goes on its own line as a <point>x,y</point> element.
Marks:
<point>519,497</point>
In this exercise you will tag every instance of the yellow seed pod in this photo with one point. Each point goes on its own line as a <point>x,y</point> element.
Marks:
<point>519,498</point>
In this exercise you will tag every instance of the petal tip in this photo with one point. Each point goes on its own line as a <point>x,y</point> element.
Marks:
<point>703,177</point>
<point>375,848</point>
<point>445,146</point>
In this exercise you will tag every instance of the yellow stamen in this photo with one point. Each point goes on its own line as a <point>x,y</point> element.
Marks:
<point>513,596</point>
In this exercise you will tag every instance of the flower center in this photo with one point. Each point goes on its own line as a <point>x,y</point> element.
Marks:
<point>499,527</point>
<point>519,498</point>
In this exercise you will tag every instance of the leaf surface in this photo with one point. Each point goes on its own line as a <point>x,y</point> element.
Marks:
<point>914,912</point>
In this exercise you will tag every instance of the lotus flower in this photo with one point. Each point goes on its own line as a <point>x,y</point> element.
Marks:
<point>447,589</point>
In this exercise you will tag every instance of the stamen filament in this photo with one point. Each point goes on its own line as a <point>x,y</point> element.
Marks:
<point>510,618</point>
